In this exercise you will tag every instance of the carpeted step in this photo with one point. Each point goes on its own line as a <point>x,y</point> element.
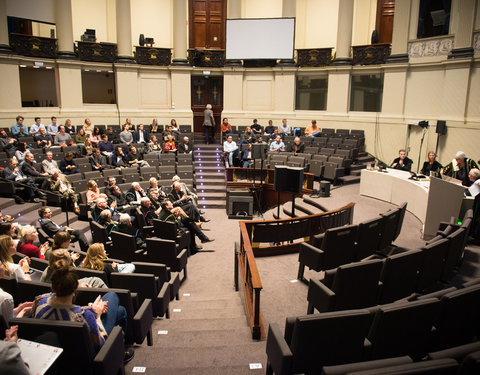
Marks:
<point>356,167</point>
<point>315,204</point>
<point>6,202</point>
<point>349,179</point>
<point>230,370</point>
<point>22,209</point>
<point>214,203</point>
<point>210,169</point>
<point>215,195</point>
<point>207,163</point>
<point>208,175</point>
<point>356,173</point>
<point>365,159</point>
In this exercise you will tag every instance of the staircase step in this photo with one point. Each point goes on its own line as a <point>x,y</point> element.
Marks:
<point>23,209</point>
<point>213,163</point>
<point>216,203</point>
<point>349,179</point>
<point>212,195</point>
<point>356,167</point>
<point>356,173</point>
<point>208,175</point>
<point>210,169</point>
<point>6,202</point>
<point>231,370</point>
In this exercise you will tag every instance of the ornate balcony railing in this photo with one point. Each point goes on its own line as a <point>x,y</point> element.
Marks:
<point>206,57</point>
<point>34,46</point>
<point>313,57</point>
<point>427,47</point>
<point>153,56</point>
<point>371,54</point>
<point>98,52</point>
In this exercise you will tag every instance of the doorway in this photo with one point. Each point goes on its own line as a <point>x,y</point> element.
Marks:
<point>206,90</point>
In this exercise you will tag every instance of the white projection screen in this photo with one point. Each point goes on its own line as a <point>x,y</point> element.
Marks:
<point>260,38</point>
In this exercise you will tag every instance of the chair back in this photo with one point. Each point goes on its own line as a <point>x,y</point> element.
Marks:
<point>86,272</point>
<point>27,290</point>
<point>98,232</point>
<point>162,251</point>
<point>389,229</point>
<point>123,246</point>
<point>403,208</point>
<point>432,264</point>
<point>338,245</point>
<point>454,252</point>
<point>165,229</point>
<point>368,237</point>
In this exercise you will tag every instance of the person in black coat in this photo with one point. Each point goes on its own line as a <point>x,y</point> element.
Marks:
<point>431,165</point>
<point>297,147</point>
<point>402,162</point>
<point>30,169</point>
<point>141,135</point>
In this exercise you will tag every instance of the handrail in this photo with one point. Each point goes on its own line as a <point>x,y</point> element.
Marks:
<point>246,267</point>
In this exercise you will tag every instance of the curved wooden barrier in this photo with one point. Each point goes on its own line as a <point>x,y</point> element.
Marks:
<point>278,231</point>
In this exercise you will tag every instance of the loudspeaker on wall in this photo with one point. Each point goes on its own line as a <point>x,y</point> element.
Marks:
<point>441,127</point>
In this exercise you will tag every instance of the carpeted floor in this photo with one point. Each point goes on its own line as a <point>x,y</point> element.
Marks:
<point>209,334</point>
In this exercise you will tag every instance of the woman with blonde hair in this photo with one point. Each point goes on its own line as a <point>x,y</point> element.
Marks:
<point>154,126</point>
<point>93,193</point>
<point>7,249</point>
<point>88,146</point>
<point>29,235</point>
<point>97,259</point>
<point>88,127</point>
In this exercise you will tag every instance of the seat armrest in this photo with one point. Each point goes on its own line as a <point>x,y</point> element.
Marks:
<point>320,297</point>
<point>310,256</point>
<point>182,258</point>
<point>164,298</point>
<point>278,352</point>
<point>142,321</point>
<point>135,301</point>
<point>109,360</point>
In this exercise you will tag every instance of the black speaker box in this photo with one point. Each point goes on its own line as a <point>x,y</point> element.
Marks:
<point>441,127</point>
<point>288,179</point>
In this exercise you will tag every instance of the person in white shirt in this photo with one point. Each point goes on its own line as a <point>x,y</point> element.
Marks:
<point>474,176</point>
<point>35,128</point>
<point>277,146</point>
<point>230,150</point>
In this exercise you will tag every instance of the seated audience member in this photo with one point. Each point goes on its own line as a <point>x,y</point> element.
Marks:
<point>277,146</point>
<point>97,260</point>
<point>63,139</point>
<point>474,176</point>
<point>119,160</point>
<point>269,129</point>
<point>460,168</point>
<point>51,228</point>
<point>107,222</point>
<point>141,135</point>
<point>169,131</point>
<point>148,212</point>
<point>81,137</point>
<point>230,151</point>
<point>125,135</point>
<point>19,129</point>
<point>154,147</point>
<point>313,130</point>
<point>247,136</point>
<point>402,162</point>
<point>7,249</point>
<point>35,128</point>
<point>59,183</point>
<point>135,159</point>
<point>93,193</point>
<point>297,147</point>
<point>106,147</point>
<point>48,164</point>
<point>180,199</point>
<point>6,143</point>
<point>284,129</point>
<point>154,187</point>
<point>125,226</point>
<point>154,128</point>
<point>62,240</point>
<point>59,306</point>
<point>183,187</point>
<point>155,201</point>
<point>8,312</point>
<point>15,174</point>
<point>88,147</point>
<point>225,128</point>
<point>22,149</point>
<point>101,205</point>
<point>30,169</point>
<point>246,155</point>
<point>98,161</point>
<point>170,145</point>
<point>29,235</point>
<point>69,128</point>
<point>67,164</point>
<point>169,213</point>
<point>61,252</point>
<point>43,139</point>
<point>119,198</point>
<point>256,127</point>
<point>112,136</point>
<point>52,129</point>
<point>88,127</point>
<point>135,193</point>
<point>185,147</point>
<point>431,165</point>
<point>111,182</point>
<point>96,136</point>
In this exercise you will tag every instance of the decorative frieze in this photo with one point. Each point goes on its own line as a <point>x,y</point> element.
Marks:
<point>440,46</point>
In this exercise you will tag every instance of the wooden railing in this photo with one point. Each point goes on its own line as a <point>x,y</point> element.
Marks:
<point>284,230</point>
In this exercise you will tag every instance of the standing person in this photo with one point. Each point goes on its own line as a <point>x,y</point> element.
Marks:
<point>431,165</point>
<point>209,124</point>
<point>402,162</point>
<point>460,167</point>
<point>18,129</point>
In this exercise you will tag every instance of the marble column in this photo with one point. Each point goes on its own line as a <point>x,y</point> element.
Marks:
<point>63,22</point>
<point>401,26</point>
<point>462,15</point>
<point>288,10</point>
<point>124,32</point>
<point>344,33</point>
<point>180,32</point>
<point>4,42</point>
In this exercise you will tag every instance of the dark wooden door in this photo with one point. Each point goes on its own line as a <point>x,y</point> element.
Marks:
<point>207,24</point>
<point>206,91</point>
<point>384,20</point>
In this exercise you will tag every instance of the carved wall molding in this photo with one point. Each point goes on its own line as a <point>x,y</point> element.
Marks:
<point>98,52</point>
<point>431,47</point>
<point>153,56</point>
<point>476,43</point>
<point>34,46</point>
<point>206,57</point>
<point>314,57</point>
<point>371,54</point>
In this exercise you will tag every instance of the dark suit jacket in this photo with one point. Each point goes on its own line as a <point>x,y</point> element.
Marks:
<point>30,170</point>
<point>182,150</point>
<point>300,148</point>
<point>49,227</point>
<point>407,164</point>
<point>136,136</point>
